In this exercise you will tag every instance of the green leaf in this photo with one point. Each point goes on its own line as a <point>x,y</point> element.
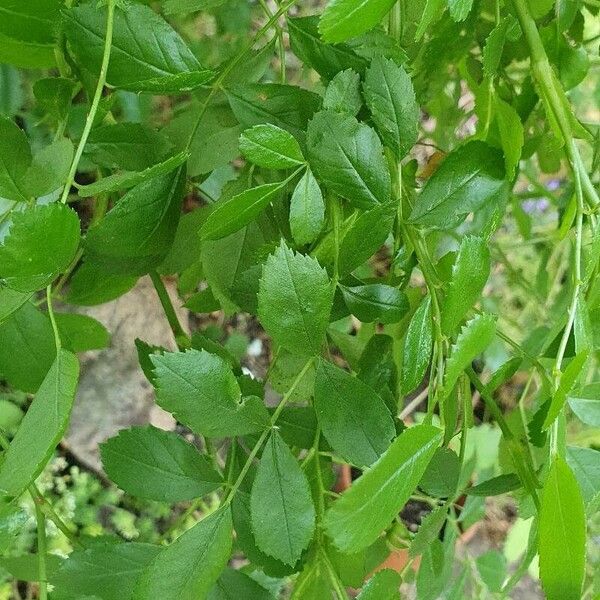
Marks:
<point>286,106</point>
<point>502,484</point>
<point>232,214</point>
<point>136,234</point>
<point>236,584</point>
<point>429,530</point>
<point>11,301</point>
<point>418,344</point>
<point>348,157</point>
<point>271,147</point>
<point>27,348</point>
<point>53,95</point>
<point>281,505</point>
<point>42,427</point>
<point>201,391</point>
<point>384,585</point>
<point>294,301</point>
<point>469,274</point>
<point>343,93</point>
<point>307,210</point>
<point>41,243</point>
<point>147,55</point>
<point>562,532</point>
<point>511,134</point>
<point>107,569</point>
<point>431,14</point>
<point>567,381</point>
<point>585,464</point>
<point>150,463</point>
<point>326,59</point>
<point>126,146</point>
<point>15,158</point>
<point>129,179</point>
<point>585,403</point>
<point>49,168</point>
<point>91,285</point>
<point>354,419</point>
<point>460,9</point>
<point>476,335</point>
<point>391,99</point>
<point>373,501</point>
<point>26,566</point>
<point>188,568</point>
<point>469,177</point>
<point>11,92</point>
<point>494,45</point>
<point>441,476</point>
<point>345,19</point>
<point>376,302</point>
<point>80,333</point>
<point>492,569</point>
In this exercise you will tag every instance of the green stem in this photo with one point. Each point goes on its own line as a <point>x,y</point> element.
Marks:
<point>266,432</point>
<point>89,121</point>
<point>181,337</point>
<point>57,341</point>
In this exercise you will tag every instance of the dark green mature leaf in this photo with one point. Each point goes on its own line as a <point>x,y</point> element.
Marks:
<point>53,95</point>
<point>42,427</point>
<point>511,133</point>
<point>562,531</point>
<point>283,514</point>
<point>200,389</point>
<point>80,333</point>
<point>188,568</point>
<point>91,285</point>
<point>348,157</point>
<point>127,146</point>
<point>469,274</point>
<point>307,210</point>
<point>40,244</point>
<point>345,19</point>
<point>286,106</point>
<point>25,567</point>
<point>502,484</point>
<point>10,302</point>
<point>107,570</point>
<point>27,348</point>
<point>147,55</point>
<point>49,168</point>
<point>15,158</point>
<point>585,464</point>
<point>147,462</point>
<point>585,403</point>
<point>234,213</point>
<point>441,476</point>
<point>376,302</point>
<point>418,344</point>
<point>429,530</point>
<point>236,584</point>
<point>136,234</point>
<point>358,517</point>
<point>354,419</point>
<point>294,301</point>
<point>473,339</point>
<point>343,93</point>
<point>391,99</point>
<point>468,178</point>
<point>271,147</point>
<point>384,585</point>
<point>326,59</point>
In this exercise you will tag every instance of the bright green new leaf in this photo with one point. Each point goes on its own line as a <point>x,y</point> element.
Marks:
<point>110,569</point>
<point>158,465</point>
<point>511,134</point>
<point>41,243</point>
<point>281,505</point>
<point>502,484</point>
<point>469,177</point>
<point>271,147</point>
<point>345,19</point>
<point>460,9</point>
<point>476,335</point>
<point>562,530</point>
<point>585,464</point>
<point>585,403</point>
<point>494,45</point>
<point>375,302</point>
<point>418,344</point>
<point>373,501</point>
<point>294,301</point>
<point>188,568</point>
<point>384,585</point>
<point>354,419</point>
<point>136,234</point>
<point>42,427</point>
<point>201,391</point>
<point>348,157</point>
<point>469,274</point>
<point>391,99</point>
<point>343,93</point>
<point>307,210</point>
<point>80,333</point>
<point>15,158</point>
<point>232,214</point>
<point>147,55</point>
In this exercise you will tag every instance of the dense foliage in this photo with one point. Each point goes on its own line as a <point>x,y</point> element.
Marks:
<point>350,179</point>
